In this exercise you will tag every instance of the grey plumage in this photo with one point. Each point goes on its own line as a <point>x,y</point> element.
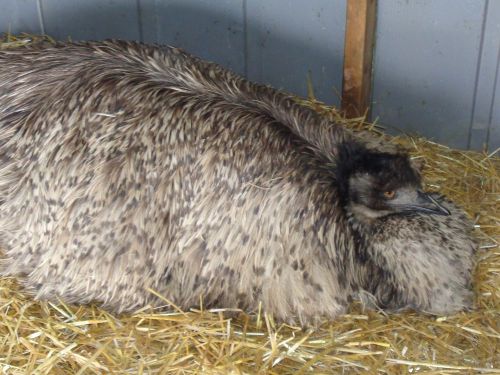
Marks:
<point>126,167</point>
<point>419,261</point>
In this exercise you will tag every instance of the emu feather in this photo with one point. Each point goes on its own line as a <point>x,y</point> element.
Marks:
<point>126,167</point>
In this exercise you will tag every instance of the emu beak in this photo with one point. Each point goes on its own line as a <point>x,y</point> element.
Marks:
<point>426,204</point>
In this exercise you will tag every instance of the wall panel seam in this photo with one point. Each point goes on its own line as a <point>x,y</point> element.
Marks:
<point>245,38</point>
<point>139,20</point>
<point>493,98</point>
<point>478,72</point>
<point>41,20</point>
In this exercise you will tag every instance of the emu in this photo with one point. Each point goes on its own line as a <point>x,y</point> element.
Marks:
<point>126,167</point>
<point>414,249</point>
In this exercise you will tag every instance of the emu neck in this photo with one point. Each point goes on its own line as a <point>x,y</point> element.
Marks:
<point>365,216</point>
<point>361,228</point>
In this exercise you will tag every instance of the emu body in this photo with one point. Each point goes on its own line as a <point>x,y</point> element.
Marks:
<point>126,167</point>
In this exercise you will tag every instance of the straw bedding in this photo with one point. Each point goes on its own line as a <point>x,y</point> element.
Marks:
<point>39,337</point>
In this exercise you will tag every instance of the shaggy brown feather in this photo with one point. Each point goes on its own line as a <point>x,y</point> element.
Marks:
<point>126,167</point>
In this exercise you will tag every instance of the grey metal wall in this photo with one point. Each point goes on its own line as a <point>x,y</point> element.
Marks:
<point>437,62</point>
<point>437,67</point>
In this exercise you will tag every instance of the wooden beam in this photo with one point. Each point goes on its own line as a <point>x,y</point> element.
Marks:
<point>358,56</point>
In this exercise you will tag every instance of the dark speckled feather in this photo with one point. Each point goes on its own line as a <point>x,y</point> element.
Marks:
<point>126,167</point>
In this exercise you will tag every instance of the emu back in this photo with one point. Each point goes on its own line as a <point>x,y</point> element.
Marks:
<point>127,167</point>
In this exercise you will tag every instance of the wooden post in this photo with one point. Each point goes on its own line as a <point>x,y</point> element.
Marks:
<point>358,56</point>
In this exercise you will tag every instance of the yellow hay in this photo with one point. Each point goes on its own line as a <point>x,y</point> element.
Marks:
<point>44,338</point>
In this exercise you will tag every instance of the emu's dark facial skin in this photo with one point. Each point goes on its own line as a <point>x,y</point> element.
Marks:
<point>375,184</point>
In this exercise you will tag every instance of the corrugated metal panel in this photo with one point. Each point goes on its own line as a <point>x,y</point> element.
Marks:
<point>287,40</point>
<point>211,29</point>
<point>425,66</point>
<point>20,16</point>
<point>91,19</point>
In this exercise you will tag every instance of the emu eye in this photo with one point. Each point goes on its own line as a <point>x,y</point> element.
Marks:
<point>389,194</point>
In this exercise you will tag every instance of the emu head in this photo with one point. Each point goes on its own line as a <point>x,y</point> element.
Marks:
<point>374,184</point>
